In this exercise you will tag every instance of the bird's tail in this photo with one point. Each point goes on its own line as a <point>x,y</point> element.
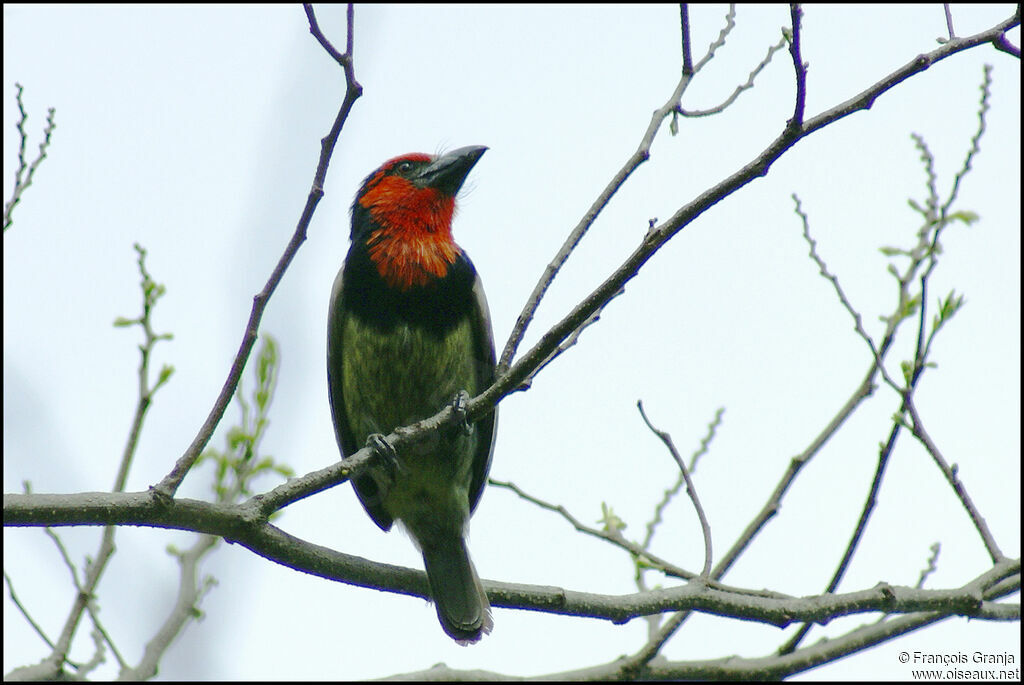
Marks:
<point>462,605</point>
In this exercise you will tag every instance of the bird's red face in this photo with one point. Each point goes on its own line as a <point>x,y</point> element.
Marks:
<point>410,202</point>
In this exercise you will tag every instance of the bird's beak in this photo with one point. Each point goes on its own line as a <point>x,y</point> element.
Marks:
<point>448,172</point>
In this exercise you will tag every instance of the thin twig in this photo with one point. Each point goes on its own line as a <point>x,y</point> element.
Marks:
<point>671,492</point>
<point>691,490</point>
<point>924,255</point>
<point>823,269</point>
<point>924,344</point>
<point>858,532</point>
<point>509,377</point>
<point>933,565</point>
<point>719,41</point>
<point>893,322</point>
<point>26,172</point>
<point>695,113</point>
<point>986,92</point>
<point>89,607</point>
<point>151,293</point>
<point>24,612</point>
<point>666,567</point>
<point>169,485</point>
<point>241,456</point>
<point>314,28</point>
<point>796,13</point>
<point>568,342</point>
<point>949,21</point>
<point>640,156</point>
<point>950,472</point>
<point>184,610</point>
<point>662,635</point>
<point>684,33</point>
<point>638,551</point>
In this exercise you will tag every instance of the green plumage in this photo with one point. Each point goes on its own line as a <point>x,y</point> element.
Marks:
<point>393,379</point>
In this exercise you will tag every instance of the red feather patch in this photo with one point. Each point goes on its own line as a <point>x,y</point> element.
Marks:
<point>414,243</point>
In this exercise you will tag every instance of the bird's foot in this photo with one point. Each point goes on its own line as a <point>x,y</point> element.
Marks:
<point>459,405</point>
<point>386,454</point>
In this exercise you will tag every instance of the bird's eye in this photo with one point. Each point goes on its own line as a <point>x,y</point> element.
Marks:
<point>404,167</point>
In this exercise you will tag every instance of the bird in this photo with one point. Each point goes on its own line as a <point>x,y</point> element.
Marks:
<point>408,331</point>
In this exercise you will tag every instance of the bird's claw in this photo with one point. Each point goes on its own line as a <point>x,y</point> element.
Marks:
<point>459,405</point>
<point>386,454</point>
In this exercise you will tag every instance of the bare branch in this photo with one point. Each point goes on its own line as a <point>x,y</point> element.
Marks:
<point>99,629</point>
<point>24,612</point>
<point>169,485</point>
<point>684,31</point>
<point>151,293</point>
<point>184,610</point>
<point>775,666</point>
<point>510,377</point>
<point>569,342</point>
<point>949,21</point>
<point>986,587</point>
<point>739,89</point>
<point>834,280</point>
<point>950,472</point>
<point>660,637</point>
<point>314,28</point>
<point>730,24</point>
<point>796,14</point>
<point>924,255</point>
<point>705,527</point>
<point>666,567</point>
<point>671,492</point>
<point>234,523</point>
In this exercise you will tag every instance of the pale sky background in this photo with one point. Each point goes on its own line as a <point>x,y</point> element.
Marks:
<point>195,131</point>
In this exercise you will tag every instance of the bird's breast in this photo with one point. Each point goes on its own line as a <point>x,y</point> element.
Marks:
<point>398,376</point>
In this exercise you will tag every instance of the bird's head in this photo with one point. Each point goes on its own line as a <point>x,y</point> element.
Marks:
<point>403,213</point>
